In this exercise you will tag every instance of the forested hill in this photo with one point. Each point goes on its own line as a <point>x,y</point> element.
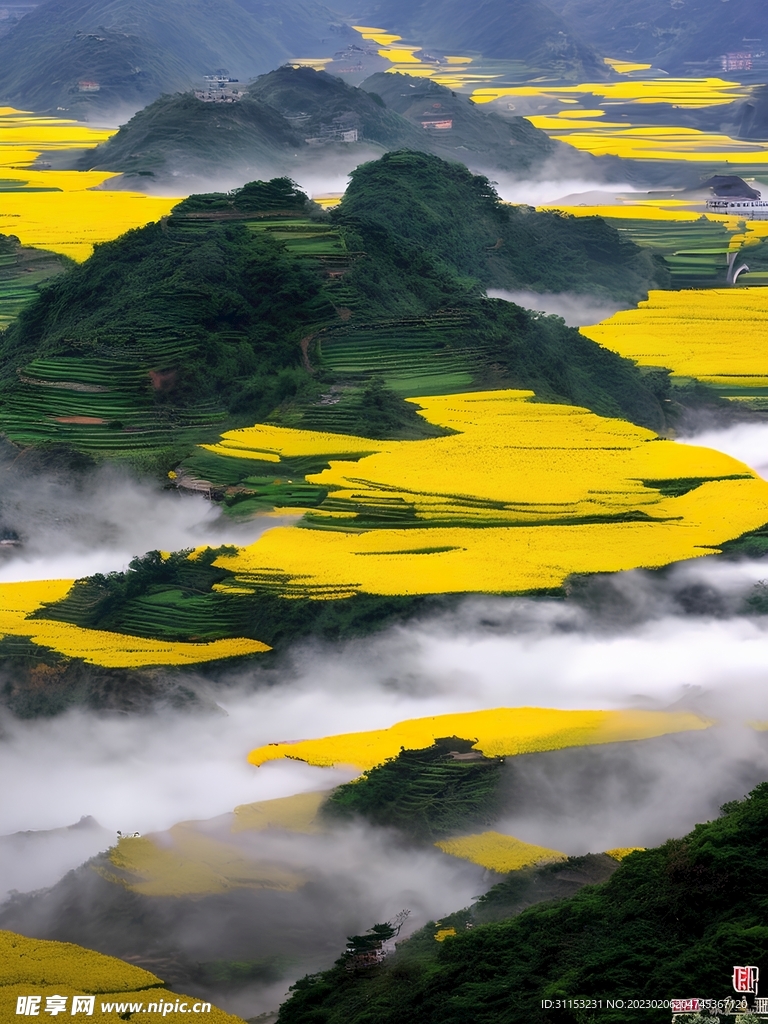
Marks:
<point>477,136</point>
<point>252,304</point>
<point>184,137</point>
<point>135,50</point>
<point>319,103</point>
<point>292,117</point>
<point>419,202</point>
<point>669,924</point>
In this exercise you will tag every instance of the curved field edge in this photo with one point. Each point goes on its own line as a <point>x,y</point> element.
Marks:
<point>44,968</point>
<point>496,733</point>
<point>517,498</point>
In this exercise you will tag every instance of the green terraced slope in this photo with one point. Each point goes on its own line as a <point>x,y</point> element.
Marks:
<point>694,251</point>
<point>22,271</point>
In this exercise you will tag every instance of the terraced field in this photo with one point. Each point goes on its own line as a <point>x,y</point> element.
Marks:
<point>22,271</point>
<point>420,356</point>
<point>695,251</point>
<point>105,407</point>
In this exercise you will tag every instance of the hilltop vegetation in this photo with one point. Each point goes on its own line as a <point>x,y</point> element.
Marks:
<point>427,794</point>
<point>172,326</point>
<point>320,103</point>
<point>135,50</point>
<point>442,211</point>
<point>670,921</point>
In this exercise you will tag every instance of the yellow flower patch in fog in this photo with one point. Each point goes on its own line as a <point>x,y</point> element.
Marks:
<point>499,852</point>
<point>190,863</point>
<point>296,813</point>
<point>40,967</point>
<point>497,733</point>
<point>521,496</point>
<point>620,852</point>
<point>444,933</point>
<point>625,67</point>
<point>98,647</point>
<point>654,142</point>
<point>719,336</point>
<point>376,35</point>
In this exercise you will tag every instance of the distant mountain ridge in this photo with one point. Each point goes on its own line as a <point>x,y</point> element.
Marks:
<point>135,50</point>
<point>682,38</point>
<point>526,30</point>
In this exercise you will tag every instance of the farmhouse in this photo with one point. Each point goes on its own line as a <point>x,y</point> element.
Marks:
<point>219,88</point>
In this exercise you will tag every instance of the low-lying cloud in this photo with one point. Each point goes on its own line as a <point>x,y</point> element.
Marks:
<point>747,442</point>
<point>73,525</point>
<point>577,310</point>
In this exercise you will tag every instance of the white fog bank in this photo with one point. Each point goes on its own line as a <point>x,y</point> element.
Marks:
<point>577,310</point>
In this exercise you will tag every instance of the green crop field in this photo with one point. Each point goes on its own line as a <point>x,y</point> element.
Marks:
<point>101,406</point>
<point>417,356</point>
<point>694,251</point>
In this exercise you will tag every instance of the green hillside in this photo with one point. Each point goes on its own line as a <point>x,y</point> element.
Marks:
<point>319,104</point>
<point>184,136</point>
<point>427,794</point>
<point>160,337</point>
<point>417,199</point>
<point>254,304</point>
<point>22,271</point>
<point>670,923</point>
<point>136,50</point>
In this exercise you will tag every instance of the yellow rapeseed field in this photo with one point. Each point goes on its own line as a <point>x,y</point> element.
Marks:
<point>499,852</point>
<point>32,962</point>
<point>497,732</point>
<point>670,211</point>
<point>43,968</point>
<point>678,92</point>
<point>97,647</point>
<point>716,335</point>
<point>451,70</point>
<point>523,495</point>
<point>296,813</point>
<point>190,863</point>
<point>652,142</point>
<point>591,132</point>
<point>625,67</point>
<point>79,211</point>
